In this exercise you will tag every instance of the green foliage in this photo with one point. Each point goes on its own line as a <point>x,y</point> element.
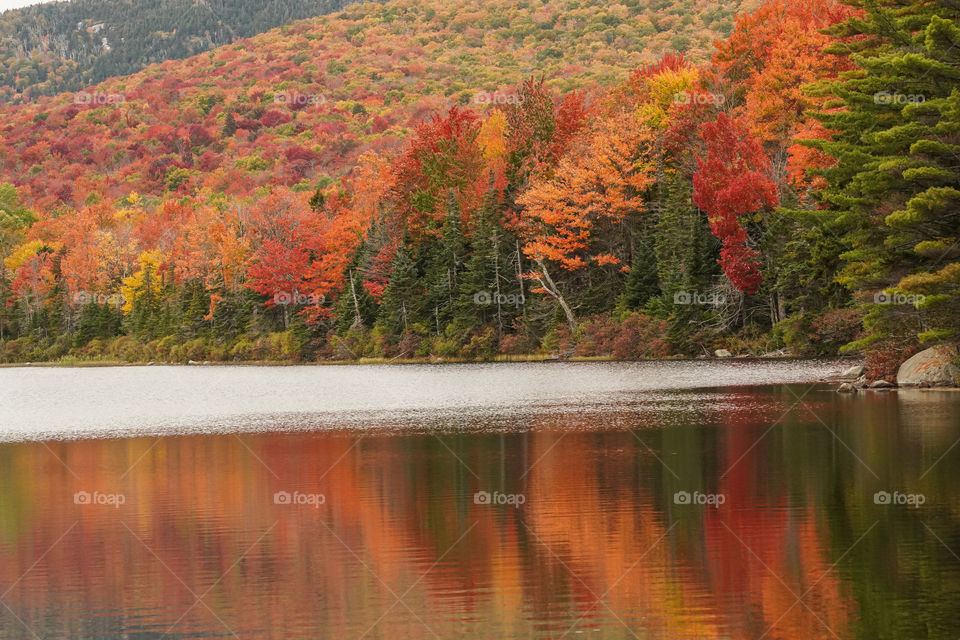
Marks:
<point>894,194</point>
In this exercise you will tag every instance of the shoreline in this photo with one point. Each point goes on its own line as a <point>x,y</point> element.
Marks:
<point>518,359</point>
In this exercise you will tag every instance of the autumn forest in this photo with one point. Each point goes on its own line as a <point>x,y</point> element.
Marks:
<point>483,180</point>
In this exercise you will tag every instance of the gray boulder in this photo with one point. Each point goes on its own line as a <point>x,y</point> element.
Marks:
<point>933,367</point>
<point>846,387</point>
<point>880,384</point>
<point>722,353</point>
<point>854,372</point>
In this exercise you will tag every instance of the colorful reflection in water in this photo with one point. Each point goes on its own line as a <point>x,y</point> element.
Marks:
<point>384,535</point>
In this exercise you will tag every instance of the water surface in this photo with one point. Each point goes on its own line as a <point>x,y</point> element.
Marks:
<point>348,504</point>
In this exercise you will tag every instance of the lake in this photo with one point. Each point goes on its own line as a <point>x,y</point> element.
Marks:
<point>669,500</point>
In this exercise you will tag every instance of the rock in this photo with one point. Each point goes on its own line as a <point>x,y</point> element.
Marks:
<point>880,384</point>
<point>933,367</point>
<point>192,362</point>
<point>779,353</point>
<point>846,387</point>
<point>854,372</point>
<point>722,353</point>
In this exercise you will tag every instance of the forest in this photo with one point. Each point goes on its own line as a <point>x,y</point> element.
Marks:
<point>50,48</point>
<point>559,181</point>
<point>46,49</point>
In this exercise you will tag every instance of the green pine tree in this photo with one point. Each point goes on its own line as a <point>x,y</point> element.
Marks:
<point>894,194</point>
<point>642,281</point>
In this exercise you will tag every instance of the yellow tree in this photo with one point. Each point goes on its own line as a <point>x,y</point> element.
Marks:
<point>146,281</point>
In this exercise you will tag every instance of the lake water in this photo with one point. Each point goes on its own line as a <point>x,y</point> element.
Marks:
<point>679,501</point>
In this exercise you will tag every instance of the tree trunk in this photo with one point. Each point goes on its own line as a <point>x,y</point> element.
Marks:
<point>357,318</point>
<point>551,288</point>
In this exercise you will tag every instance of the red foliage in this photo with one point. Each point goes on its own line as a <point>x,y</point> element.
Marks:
<point>441,160</point>
<point>273,117</point>
<point>638,336</point>
<point>733,182</point>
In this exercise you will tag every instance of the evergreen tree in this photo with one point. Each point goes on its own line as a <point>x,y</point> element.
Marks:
<point>479,298</point>
<point>403,300</point>
<point>444,266</point>
<point>229,125</point>
<point>895,191</point>
<point>642,281</point>
<point>356,308</point>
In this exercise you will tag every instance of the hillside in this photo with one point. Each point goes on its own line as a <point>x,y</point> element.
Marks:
<point>63,46</point>
<point>50,48</point>
<point>490,178</point>
<point>363,78</point>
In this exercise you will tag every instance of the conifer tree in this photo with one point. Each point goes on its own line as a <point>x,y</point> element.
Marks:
<point>894,193</point>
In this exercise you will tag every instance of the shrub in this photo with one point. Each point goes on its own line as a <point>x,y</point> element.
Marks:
<point>482,346</point>
<point>636,336</point>
<point>559,341</point>
<point>516,344</point>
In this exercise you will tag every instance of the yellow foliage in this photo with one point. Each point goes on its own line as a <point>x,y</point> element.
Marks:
<point>492,136</point>
<point>23,253</point>
<point>146,280</point>
<point>666,89</point>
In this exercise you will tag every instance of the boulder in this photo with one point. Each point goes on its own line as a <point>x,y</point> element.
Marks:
<point>854,372</point>
<point>880,384</point>
<point>722,353</point>
<point>933,367</point>
<point>846,387</point>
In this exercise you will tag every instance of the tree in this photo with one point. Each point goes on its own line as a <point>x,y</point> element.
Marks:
<point>14,220</point>
<point>570,218</point>
<point>731,184</point>
<point>894,193</point>
<point>642,281</point>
